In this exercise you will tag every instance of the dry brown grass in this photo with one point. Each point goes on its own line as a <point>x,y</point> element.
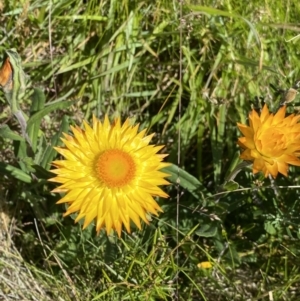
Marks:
<point>18,280</point>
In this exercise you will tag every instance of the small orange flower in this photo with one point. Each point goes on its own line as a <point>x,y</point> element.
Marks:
<point>271,141</point>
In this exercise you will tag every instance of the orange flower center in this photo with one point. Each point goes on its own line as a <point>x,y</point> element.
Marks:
<point>115,168</point>
<point>272,142</point>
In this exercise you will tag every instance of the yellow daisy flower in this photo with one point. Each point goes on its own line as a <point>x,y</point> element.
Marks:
<point>110,174</point>
<point>271,141</point>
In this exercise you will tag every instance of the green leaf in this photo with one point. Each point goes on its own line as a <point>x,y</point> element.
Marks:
<point>54,106</point>
<point>207,230</point>
<point>79,64</point>
<point>38,103</point>
<point>111,251</point>
<point>42,173</point>
<point>230,186</point>
<point>11,171</point>
<point>50,152</point>
<point>6,132</point>
<point>42,146</point>
<point>186,181</point>
<point>24,160</point>
<point>270,228</point>
<point>83,17</point>
<point>28,164</point>
<point>217,141</point>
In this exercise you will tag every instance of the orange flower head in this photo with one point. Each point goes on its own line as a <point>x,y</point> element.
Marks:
<point>271,141</point>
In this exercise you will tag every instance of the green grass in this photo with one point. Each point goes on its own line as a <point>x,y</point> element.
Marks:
<point>122,58</point>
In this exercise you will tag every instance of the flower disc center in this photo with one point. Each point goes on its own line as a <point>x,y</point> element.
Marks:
<point>115,168</point>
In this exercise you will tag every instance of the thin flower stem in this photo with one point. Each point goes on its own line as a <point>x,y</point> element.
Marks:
<point>231,177</point>
<point>237,169</point>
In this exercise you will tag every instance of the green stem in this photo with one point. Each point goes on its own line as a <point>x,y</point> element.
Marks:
<point>237,169</point>
<point>231,177</point>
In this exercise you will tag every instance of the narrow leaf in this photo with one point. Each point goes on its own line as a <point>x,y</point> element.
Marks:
<point>11,171</point>
<point>186,181</point>
<point>54,106</point>
<point>6,132</point>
